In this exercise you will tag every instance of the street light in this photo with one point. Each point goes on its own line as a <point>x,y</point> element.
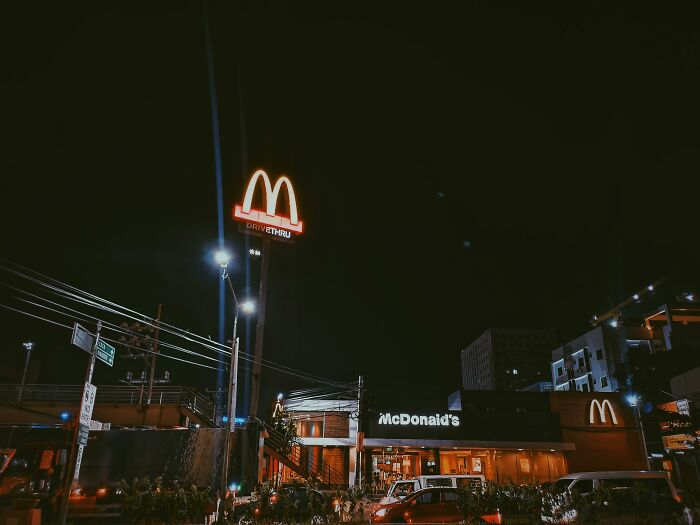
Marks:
<point>222,258</point>
<point>28,346</point>
<point>635,400</point>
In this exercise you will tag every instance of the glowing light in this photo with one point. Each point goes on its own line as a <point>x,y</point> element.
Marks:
<point>613,323</point>
<point>102,491</point>
<point>222,258</point>
<point>254,253</point>
<point>636,297</point>
<point>632,400</point>
<point>65,416</point>
<point>650,287</point>
<point>248,307</point>
<point>280,396</point>
<point>197,425</point>
<point>224,419</point>
<point>30,344</point>
<point>595,404</point>
<point>268,217</point>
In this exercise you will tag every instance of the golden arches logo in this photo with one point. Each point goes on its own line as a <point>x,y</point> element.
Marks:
<point>245,212</point>
<point>595,404</point>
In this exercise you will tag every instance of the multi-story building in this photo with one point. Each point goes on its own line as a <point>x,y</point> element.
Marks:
<point>507,359</point>
<point>597,361</point>
<point>588,363</point>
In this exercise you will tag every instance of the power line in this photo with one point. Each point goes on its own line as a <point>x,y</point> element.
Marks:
<point>172,330</point>
<point>211,345</point>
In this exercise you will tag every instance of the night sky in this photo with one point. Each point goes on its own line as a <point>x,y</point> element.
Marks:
<point>458,165</point>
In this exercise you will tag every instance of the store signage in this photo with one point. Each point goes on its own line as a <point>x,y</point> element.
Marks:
<point>600,408</point>
<point>267,222</point>
<point>436,420</point>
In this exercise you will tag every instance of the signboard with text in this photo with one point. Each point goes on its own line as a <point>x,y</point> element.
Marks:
<point>268,222</point>
<point>86,407</point>
<point>105,352</point>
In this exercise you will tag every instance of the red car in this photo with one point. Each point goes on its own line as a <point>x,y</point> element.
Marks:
<point>431,505</point>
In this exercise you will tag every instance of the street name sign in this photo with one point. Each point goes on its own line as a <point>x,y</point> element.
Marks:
<point>82,338</point>
<point>105,352</point>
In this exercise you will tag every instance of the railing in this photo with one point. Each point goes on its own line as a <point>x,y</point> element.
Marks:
<point>112,394</point>
<point>307,464</point>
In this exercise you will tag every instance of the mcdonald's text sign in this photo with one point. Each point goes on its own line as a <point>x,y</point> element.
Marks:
<point>268,222</point>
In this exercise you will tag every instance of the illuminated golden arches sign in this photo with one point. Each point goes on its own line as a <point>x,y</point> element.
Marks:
<point>269,217</point>
<point>595,404</point>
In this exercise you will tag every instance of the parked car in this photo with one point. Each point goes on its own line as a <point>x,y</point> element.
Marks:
<point>430,505</point>
<point>584,483</point>
<point>402,488</point>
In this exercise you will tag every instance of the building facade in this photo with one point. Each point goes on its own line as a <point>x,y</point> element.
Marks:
<point>507,359</point>
<point>505,436</point>
<point>327,448</point>
<point>588,363</point>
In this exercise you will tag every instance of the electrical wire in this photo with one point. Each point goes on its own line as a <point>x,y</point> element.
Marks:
<point>138,317</point>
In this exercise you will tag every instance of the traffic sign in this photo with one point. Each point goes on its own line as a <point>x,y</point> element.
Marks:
<point>105,352</point>
<point>89,393</point>
<point>83,431</point>
<point>78,461</point>
<point>82,338</point>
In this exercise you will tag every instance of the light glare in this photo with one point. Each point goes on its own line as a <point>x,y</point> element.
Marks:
<point>222,258</point>
<point>248,307</point>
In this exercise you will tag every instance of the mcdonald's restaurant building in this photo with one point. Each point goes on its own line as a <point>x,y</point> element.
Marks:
<point>505,436</point>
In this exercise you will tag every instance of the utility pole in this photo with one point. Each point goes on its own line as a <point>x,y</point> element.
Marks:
<point>260,329</point>
<point>360,387</point>
<point>230,429</point>
<point>155,354</point>
<point>71,463</point>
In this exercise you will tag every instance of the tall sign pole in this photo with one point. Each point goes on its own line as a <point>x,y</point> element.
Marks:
<point>76,452</point>
<point>260,329</point>
<point>269,225</point>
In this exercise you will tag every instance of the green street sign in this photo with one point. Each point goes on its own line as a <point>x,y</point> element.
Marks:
<point>105,352</point>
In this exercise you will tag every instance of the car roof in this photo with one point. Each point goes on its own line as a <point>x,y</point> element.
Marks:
<point>615,474</point>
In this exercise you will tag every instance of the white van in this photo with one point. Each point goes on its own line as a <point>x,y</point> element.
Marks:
<point>402,488</point>
<point>586,482</point>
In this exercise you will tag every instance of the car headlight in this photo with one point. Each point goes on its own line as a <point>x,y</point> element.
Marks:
<point>381,512</point>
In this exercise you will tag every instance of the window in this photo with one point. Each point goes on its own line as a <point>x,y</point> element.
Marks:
<point>581,362</point>
<point>560,371</point>
<point>584,387</point>
<point>599,354</point>
<point>584,486</point>
<point>449,495</point>
<point>603,381</point>
<point>428,497</point>
<point>515,371</point>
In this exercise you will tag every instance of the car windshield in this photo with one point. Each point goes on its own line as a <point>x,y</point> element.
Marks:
<point>561,485</point>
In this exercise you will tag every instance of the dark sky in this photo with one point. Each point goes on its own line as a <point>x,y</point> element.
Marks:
<point>560,140</point>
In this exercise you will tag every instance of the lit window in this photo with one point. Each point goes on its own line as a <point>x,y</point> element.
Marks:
<point>515,371</point>
<point>603,381</point>
<point>560,371</point>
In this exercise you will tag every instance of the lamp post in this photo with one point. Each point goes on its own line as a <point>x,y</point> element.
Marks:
<point>222,259</point>
<point>28,346</point>
<point>634,401</point>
